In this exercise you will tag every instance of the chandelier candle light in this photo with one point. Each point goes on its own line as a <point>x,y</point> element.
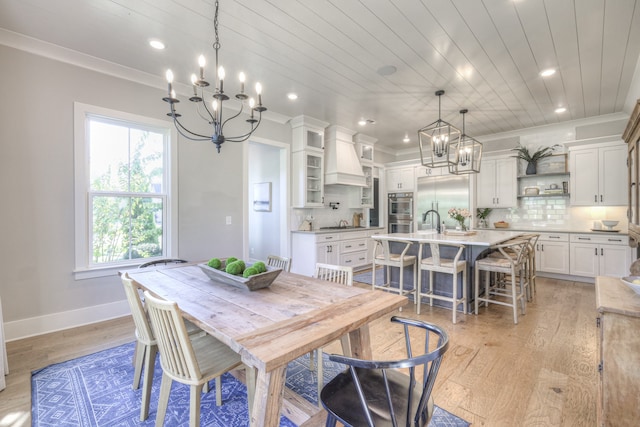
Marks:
<point>213,114</point>
<point>443,139</point>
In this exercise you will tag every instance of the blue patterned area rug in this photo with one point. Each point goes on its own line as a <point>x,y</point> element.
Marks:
<point>366,277</point>
<point>95,390</point>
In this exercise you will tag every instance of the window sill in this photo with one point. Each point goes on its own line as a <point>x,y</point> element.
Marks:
<point>92,273</point>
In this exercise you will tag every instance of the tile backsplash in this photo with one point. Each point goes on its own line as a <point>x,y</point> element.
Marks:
<point>342,197</point>
<point>555,213</point>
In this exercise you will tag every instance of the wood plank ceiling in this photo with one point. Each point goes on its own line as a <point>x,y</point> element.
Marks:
<point>486,54</point>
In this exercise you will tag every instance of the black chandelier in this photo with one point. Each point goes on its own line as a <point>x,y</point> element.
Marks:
<point>213,114</point>
<point>442,139</point>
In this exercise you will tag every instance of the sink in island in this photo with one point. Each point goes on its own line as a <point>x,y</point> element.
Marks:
<point>475,244</point>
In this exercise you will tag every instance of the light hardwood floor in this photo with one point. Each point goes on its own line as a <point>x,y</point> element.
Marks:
<point>539,372</point>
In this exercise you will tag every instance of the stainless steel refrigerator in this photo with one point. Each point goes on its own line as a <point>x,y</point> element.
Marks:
<point>441,193</point>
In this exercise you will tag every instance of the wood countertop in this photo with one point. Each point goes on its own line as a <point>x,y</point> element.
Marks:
<point>613,296</point>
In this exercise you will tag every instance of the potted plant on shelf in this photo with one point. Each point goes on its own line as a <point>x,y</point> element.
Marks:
<point>532,159</point>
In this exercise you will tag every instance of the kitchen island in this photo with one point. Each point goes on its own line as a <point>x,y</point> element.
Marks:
<point>475,244</point>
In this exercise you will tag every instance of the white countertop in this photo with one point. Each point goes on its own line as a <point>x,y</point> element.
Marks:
<point>560,230</point>
<point>480,238</point>
<point>336,230</point>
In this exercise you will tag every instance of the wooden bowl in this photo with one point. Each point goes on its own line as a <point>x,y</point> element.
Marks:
<point>252,283</point>
<point>501,224</point>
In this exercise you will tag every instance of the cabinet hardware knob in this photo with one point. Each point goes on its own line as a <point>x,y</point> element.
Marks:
<point>596,251</point>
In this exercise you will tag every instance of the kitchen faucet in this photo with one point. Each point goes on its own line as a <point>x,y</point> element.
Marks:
<point>343,223</point>
<point>424,218</point>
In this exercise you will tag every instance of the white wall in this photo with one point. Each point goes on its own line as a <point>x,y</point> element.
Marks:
<point>38,288</point>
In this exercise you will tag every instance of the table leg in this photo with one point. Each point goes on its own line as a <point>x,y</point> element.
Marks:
<point>267,401</point>
<point>360,343</point>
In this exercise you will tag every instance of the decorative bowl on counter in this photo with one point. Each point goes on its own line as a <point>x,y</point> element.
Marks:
<point>609,223</point>
<point>252,283</point>
<point>633,282</point>
<point>501,224</point>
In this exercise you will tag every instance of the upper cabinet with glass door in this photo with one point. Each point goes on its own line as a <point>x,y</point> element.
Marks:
<point>364,146</point>
<point>308,134</point>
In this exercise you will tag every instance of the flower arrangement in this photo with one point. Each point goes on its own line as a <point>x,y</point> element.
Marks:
<point>460,215</point>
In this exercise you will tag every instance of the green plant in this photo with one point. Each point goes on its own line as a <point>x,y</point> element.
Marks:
<point>483,213</point>
<point>524,154</point>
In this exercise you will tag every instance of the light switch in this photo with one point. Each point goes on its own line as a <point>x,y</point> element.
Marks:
<point>228,220</point>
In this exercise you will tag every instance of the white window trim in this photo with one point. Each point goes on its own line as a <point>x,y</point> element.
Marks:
<point>83,270</point>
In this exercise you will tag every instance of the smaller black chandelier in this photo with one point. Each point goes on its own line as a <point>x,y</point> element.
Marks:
<point>469,153</point>
<point>213,114</point>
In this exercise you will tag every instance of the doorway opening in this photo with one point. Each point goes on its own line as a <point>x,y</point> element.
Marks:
<point>267,199</point>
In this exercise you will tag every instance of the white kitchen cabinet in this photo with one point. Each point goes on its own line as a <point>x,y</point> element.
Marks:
<point>594,255</point>
<point>552,253</point>
<point>353,248</point>
<point>400,179</point>
<point>366,192</point>
<point>307,179</point>
<point>348,248</point>
<point>327,253</point>
<point>307,134</point>
<point>598,175</point>
<point>425,171</point>
<point>497,185</point>
<point>309,248</point>
<point>364,148</point>
<point>307,189</point>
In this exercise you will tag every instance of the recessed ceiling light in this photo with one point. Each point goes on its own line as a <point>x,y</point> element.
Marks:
<point>548,72</point>
<point>156,44</point>
<point>560,110</point>
<point>292,96</point>
<point>406,138</point>
<point>362,122</point>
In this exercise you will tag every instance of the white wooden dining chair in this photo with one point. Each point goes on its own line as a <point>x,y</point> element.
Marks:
<point>144,355</point>
<point>189,359</point>
<point>279,262</point>
<point>146,345</point>
<point>344,276</point>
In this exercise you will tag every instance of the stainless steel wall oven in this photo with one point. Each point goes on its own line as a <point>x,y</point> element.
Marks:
<point>400,213</point>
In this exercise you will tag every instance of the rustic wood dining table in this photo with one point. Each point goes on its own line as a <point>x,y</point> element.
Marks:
<point>271,327</point>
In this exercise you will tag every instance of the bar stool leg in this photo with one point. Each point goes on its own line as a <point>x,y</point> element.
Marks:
<point>465,285</point>
<point>454,293</point>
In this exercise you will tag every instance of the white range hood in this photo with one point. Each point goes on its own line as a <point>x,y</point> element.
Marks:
<point>342,164</point>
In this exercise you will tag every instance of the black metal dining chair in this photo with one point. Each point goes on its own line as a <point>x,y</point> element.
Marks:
<point>374,393</point>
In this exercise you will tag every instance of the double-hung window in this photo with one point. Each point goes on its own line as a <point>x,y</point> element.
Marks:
<point>125,213</point>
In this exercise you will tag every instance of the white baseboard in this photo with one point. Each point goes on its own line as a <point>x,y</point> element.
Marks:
<point>33,326</point>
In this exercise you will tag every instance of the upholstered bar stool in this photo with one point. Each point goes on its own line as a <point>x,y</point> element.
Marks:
<point>510,260</point>
<point>383,256</point>
<point>436,264</point>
